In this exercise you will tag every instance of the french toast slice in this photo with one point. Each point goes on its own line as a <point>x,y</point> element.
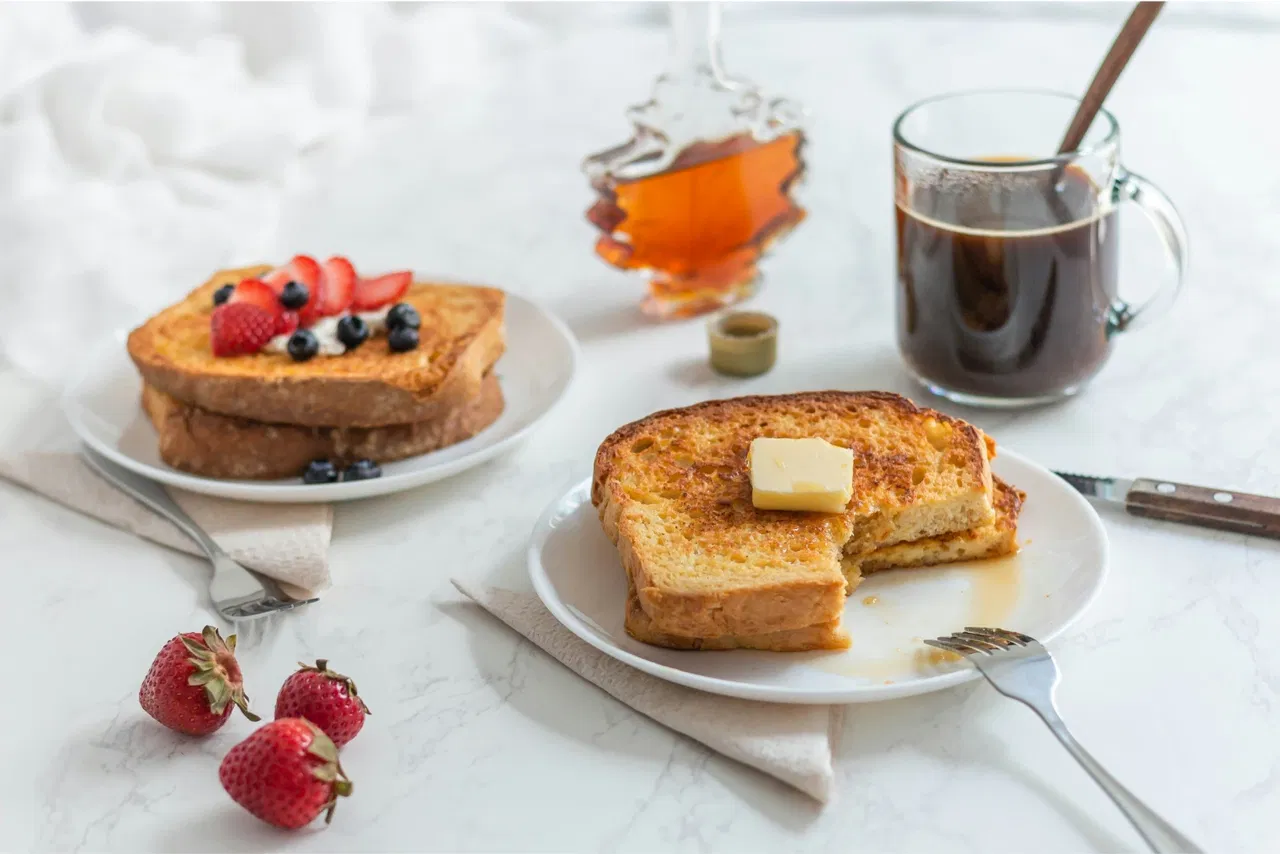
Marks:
<point>996,539</point>
<point>461,337</point>
<point>822,636</point>
<point>211,445</point>
<point>673,494</point>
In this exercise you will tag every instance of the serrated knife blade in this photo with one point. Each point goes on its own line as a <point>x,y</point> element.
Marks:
<point>1223,509</point>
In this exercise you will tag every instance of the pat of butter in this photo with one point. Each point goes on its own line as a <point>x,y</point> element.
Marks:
<point>800,474</point>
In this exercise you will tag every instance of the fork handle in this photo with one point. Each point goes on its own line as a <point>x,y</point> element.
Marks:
<point>1159,835</point>
<point>152,495</point>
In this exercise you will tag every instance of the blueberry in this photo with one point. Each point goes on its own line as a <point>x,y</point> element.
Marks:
<point>294,295</point>
<point>403,314</point>
<point>362,470</point>
<point>303,345</point>
<point>352,331</point>
<point>223,294</point>
<point>320,471</point>
<point>402,338</point>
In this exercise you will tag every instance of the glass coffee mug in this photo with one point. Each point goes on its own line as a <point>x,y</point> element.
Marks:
<point>1008,254</point>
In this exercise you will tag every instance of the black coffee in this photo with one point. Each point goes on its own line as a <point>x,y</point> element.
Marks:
<point>1014,302</point>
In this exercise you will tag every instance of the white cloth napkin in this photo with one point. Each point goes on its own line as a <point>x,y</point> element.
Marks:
<point>791,742</point>
<point>287,542</point>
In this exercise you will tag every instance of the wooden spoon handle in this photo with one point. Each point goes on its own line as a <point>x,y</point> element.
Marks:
<point>1140,20</point>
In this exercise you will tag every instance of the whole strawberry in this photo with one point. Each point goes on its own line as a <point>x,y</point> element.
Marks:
<point>193,683</point>
<point>286,774</point>
<point>325,698</point>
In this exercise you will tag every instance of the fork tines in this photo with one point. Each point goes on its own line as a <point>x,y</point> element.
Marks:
<point>978,639</point>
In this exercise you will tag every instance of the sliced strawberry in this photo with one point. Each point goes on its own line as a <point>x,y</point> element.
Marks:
<point>237,328</point>
<point>255,292</point>
<point>310,313</point>
<point>377,292</point>
<point>277,279</point>
<point>332,292</point>
<point>286,323</point>
<point>337,285</point>
<point>303,269</point>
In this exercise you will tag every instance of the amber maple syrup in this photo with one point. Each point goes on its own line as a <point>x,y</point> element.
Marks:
<point>705,185</point>
<point>971,593</point>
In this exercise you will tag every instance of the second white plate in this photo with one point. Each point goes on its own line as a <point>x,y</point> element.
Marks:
<point>102,405</point>
<point>1040,591</point>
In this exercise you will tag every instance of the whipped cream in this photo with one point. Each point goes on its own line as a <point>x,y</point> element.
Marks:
<point>326,331</point>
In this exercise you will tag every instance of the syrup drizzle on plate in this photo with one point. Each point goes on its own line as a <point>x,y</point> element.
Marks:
<point>985,593</point>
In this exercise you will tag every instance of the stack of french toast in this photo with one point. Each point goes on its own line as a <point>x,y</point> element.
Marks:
<point>709,569</point>
<point>308,369</point>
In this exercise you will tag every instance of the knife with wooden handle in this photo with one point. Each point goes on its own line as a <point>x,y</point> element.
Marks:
<point>1223,509</point>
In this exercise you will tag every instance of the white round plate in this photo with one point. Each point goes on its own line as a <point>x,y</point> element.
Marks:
<point>102,405</point>
<point>1040,591</point>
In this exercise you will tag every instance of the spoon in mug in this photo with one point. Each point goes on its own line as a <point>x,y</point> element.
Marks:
<point>1140,20</point>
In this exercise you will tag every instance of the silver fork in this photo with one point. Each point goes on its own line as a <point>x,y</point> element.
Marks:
<point>238,593</point>
<point>1020,667</point>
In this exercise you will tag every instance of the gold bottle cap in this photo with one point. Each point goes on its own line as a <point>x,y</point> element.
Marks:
<point>743,343</point>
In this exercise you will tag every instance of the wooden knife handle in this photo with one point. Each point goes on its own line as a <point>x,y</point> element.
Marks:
<point>1223,509</point>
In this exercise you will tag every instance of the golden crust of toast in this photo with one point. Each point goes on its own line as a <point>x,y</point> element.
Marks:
<point>997,539</point>
<point>460,339</point>
<point>212,445</point>
<point>823,636</point>
<point>674,495</point>
<point>988,541</point>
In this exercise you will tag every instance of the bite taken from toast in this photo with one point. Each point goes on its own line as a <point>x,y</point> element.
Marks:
<point>262,371</point>
<point>744,523</point>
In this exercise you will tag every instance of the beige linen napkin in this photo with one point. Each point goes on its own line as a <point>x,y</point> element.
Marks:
<point>791,742</point>
<point>287,542</point>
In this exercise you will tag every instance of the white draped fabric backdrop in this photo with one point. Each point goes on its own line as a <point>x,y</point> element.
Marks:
<point>144,145</point>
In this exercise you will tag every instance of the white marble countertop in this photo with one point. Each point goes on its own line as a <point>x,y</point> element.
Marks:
<point>481,742</point>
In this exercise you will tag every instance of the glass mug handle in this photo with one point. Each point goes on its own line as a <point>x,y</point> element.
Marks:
<point>1162,214</point>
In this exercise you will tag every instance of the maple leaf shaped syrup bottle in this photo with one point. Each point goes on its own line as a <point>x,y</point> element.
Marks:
<point>704,187</point>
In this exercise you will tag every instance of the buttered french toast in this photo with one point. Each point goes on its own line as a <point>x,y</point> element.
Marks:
<point>674,494</point>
